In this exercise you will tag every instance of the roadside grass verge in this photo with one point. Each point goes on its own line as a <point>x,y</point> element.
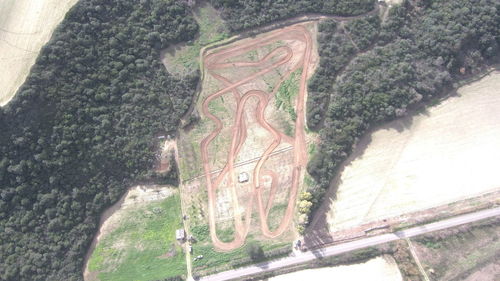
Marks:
<point>214,261</point>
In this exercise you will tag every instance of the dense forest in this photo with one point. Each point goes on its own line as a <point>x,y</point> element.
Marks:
<point>244,14</point>
<point>414,55</point>
<point>83,128</point>
<point>339,44</point>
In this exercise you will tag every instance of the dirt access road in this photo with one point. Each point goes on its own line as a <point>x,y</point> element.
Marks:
<point>277,57</point>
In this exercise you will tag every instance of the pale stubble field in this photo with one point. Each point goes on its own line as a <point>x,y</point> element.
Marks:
<point>449,153</point>
<point>382,268</point>
<point>25,26</point>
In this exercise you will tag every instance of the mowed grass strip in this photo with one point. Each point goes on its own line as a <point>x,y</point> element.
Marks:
<point>143,246</point>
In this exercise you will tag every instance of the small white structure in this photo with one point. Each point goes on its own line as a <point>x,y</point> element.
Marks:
<point>243,177</point>
<point>180,234</point>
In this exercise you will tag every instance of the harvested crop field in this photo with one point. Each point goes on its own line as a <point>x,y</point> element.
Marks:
<point>382,268</point>
<point>25,26</point>
<point>448,153</point>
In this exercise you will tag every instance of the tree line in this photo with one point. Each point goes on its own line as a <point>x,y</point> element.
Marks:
<point>244,14</point>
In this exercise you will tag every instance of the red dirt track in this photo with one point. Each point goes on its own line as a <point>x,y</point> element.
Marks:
<point>282,55</point>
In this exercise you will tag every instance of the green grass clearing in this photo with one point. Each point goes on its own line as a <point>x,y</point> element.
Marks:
<point>190,151</point>
<point>287,92</point>
<point>190,164</point>
<point>217,107</point>
<point>311,149</point>
<point>308,181</point>
<point>143,246</point>
<point>276,215</point>
<point>214,261</point>
<point>226,234</point>
<point>284,123</point>
<point>212,29</point>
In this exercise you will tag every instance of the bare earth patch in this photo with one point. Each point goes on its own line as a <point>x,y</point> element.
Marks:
<point>447,154</point>
<point>25,26</point>
<point>167,155</point>
<point>382,268</point>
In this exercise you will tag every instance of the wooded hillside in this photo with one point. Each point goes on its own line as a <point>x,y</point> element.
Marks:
<point>82,129</point>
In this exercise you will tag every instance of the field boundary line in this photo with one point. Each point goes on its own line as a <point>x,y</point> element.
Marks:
<point>417,260</point>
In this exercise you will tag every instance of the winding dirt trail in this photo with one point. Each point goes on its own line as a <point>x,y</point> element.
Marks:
<point>282,55</point>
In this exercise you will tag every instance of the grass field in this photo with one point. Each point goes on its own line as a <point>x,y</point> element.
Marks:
<point>215,261</point>
<point>448,153</point>
<point>25,26</point>
<point>142,246</point>
<point>183,58</point>
<point>462,255</point>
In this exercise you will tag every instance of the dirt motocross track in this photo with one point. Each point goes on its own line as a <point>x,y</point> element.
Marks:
<point>279,56</point>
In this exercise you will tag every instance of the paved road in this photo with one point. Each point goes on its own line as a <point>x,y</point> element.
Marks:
<point>354,245</point>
